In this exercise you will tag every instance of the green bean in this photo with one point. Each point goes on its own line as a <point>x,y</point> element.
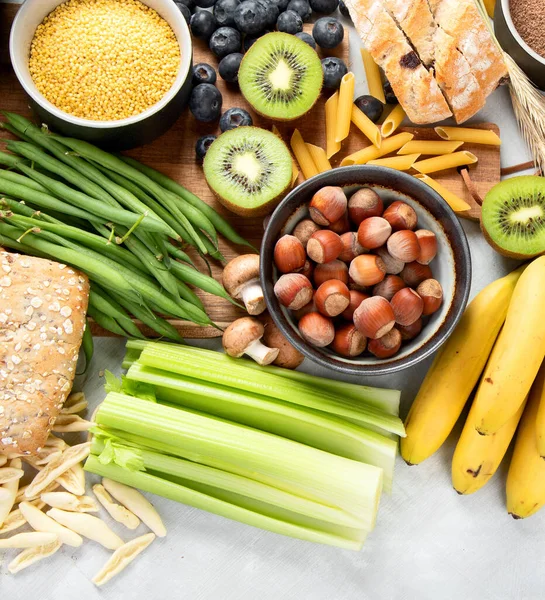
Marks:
<point>210,248</point>
<point>217,220</point>
<point>10,160</point>
<point>9,127</point>
<point>189,295</point>
<point>204,282</point>
<point>106,305</point>
<point>179,254</point>
<point>22,180</point>
<point>105,321</point>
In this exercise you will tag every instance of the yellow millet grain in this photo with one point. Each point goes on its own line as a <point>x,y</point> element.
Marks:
<point>104,59</point>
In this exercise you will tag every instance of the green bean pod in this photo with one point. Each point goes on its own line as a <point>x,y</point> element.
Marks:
<point>106,305</point>
<point>105,321</point>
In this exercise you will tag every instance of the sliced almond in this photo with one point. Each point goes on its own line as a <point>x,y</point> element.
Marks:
<point>90,527</point>
<point>8,492</point>
<point>22,490</point>
<point>71,424</point>
<point>70,502</point>
<point>41,522</point>
<point>8,474</point>
<point>116,511</point>
<point>57,467</point>
<point>122,557</point>
<point>28,540</point>
<point>136,503</point>
<point>15,519</point>
<point>32,555</point>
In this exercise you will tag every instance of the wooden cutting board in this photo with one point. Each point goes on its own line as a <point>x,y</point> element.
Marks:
<point>174,155</point>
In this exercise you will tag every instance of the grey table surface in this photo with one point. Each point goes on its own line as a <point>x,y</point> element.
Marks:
<point>429,542</point>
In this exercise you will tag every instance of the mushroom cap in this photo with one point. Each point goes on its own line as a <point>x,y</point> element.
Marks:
<point>239,272</point>
<point>288,356</point>
<point>240,334</point>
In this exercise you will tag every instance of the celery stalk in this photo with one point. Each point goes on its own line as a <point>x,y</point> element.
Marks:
<point>301,424</point>
<point>175,491</point>
<point>207,367</point>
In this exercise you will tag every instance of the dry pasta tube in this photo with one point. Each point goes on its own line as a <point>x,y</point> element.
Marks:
<point>319,157</point>
<point>344,107</point>
<point>332,146</point>
<point>366,126</point>
<point>448,161</point>
<point>456,203</point>
<point>393,121</point>
<point>399,163</point>
<point>388,146</point>
<point>430,147</point>
<point>372,74</point>
<point>302,155</point>
<point>468,135</point>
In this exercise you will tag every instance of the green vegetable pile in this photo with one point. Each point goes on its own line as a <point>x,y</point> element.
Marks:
<point>278,449</point>
<point>118,221</point>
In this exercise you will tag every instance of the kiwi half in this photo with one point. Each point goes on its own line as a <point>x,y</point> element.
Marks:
<point>248,169</point>
<point>513,217</point>
<point>281,76</point>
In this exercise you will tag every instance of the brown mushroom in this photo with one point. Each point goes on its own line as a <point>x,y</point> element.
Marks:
<point>243,337</point>
<point>288,357</point>
<point>241,280</point>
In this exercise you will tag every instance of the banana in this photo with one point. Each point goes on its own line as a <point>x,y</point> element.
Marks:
<point>456,370</point>
<point>517,354</point>
<point>526,477</point>
<point>477,456</point>
<point>540,418</point>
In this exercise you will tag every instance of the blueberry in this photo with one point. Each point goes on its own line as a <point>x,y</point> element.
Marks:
<point>334,70</point>
<point>289,22</point>
<point>370,107</point>
<point>185,12</point>
<point>250,17</point>
<point>229,66</point>
<point>325,7</point>
<point>224,41</point>
<point>205,102</point>
<point>224,11</point>
<point>328,32</point>
<point>307,38</point>
<point>203,73</point>
<point>282,4</point>
<point>235,117</point>
<point>249,41</point>
<point>189,3</point>
<point>302,8</point>
<point>344,10</point>
<point>203,24</point>
<point>389,95</point>
<point>205,3</point>
<point>202,145</point>
<point>271,13</point>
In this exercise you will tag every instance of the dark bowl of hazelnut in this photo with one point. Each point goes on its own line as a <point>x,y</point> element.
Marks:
<point>365,270</point>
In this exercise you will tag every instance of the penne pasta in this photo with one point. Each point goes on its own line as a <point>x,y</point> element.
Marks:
<point>294,169</point>
<point>393,121</point>
<point>471,136</point>
<point>319,158</point>
<point>372,74</point>
<point>447,161</point>
<point>302,155</point>
<point>399,163</point>
<point>429,147</point>
<point>332,147</point>
<point>388,146</point>
<point>456,203</point>
<point>344,107</point>
<point>366,126</point>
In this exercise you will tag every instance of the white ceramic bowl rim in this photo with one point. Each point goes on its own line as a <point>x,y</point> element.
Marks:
<point>507,15</point>
<point>177,22</point>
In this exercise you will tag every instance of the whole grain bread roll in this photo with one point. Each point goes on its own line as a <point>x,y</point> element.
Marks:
<point>43,306</point>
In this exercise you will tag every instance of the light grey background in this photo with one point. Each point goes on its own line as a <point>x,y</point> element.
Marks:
<point>429,542</point>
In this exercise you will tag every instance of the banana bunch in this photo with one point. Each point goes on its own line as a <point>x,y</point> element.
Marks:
<point>500,345</point>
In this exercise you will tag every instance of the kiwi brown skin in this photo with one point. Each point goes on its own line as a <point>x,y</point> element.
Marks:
<point>503,251</point>
<point>259,211</point>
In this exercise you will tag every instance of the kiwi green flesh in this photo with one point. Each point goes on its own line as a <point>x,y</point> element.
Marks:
<point>248,168</point>
<point>513,216</point>
<point>281,76</point>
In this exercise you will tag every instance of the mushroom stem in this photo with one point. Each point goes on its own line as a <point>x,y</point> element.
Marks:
<point>260,353</point>
<point>252,296</point>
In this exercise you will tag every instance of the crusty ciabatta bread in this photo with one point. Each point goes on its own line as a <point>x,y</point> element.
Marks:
<point>42,318</point>
<point>415,87</point>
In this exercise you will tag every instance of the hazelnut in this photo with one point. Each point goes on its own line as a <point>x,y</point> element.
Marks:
<point>408,306</point>
<point>401,216</point>
<point>373,232</point>
<point>309,307</point>
<point>308,269</point>
<point>367,269</point>
<point>304,230</point>
<point>317,329</point>
<point>335,269</point>
<point>349,341</point>
<point>389,286</point>
<point>293,290</point>
<point>387,345</point>
<point>289,254</point>
<point>332,298</point>
<point>363,204</point>
<point>428,246</point>
<point>351,247</point>
<point>374,317</point>
<point>328,205</point>
<point>324,246</point>
<point>393,265</point>
<point>356,298</point>
<point>414,273</point>
<point>404,245</point>
<point>342,225</point>
<point>409,332</point>
<point>431,293</point>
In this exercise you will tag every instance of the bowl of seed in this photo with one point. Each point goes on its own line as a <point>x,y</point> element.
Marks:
<point>116,73</point>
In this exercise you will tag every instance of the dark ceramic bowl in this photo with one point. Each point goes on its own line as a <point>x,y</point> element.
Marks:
<point>113,135</point>
<point>451,267</point>
<point>511,41</point>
